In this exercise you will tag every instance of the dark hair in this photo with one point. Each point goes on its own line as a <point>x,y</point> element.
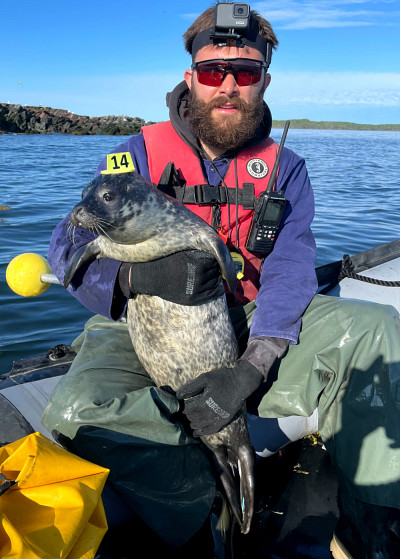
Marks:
<point>207,20</point>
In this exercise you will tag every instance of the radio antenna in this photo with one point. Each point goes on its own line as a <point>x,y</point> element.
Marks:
<point>272,177</point>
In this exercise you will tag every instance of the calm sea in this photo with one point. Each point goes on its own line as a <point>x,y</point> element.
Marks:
<point>355,175</point>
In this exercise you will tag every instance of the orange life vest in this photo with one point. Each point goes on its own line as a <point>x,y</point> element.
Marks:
<point>164,146</point>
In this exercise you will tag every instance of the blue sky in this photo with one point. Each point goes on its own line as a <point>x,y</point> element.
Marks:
<point>337,59</point>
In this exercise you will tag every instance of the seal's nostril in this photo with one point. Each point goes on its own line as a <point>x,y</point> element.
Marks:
<point>77,215</point>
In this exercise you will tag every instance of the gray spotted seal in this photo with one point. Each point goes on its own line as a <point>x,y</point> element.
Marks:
<point>136,222</point>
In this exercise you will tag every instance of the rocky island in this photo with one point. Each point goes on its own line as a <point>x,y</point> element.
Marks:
<point>20,119</point>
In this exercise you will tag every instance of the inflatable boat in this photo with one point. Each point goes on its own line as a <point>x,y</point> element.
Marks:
<point>297,513</point>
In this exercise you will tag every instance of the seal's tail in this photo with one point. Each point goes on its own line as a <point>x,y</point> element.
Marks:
<point>234,455</point>
<point>241,502</point>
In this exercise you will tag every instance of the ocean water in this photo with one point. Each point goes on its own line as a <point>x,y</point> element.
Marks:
<point>355,176</point>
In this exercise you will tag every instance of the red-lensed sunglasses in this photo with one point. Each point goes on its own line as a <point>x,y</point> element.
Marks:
<point>244,70</point>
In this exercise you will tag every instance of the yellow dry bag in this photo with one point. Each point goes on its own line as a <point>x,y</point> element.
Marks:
<point>50,502</point>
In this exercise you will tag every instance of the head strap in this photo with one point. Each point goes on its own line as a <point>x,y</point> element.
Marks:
<point>252,39</point>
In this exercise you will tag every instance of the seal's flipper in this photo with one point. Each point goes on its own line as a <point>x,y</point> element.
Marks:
<point>228,482</point>
<point>246,474</point>
<point>241,502</point>
<point>85,253</point>
<point>219,250</point>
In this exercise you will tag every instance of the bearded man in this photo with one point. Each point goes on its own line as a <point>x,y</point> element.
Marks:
<point>215,154</point>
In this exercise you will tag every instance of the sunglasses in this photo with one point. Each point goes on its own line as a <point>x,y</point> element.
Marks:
<point>244,70</point>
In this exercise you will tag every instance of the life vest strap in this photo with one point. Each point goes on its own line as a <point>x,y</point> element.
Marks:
<point>204,194</point>
<point>207,195</point>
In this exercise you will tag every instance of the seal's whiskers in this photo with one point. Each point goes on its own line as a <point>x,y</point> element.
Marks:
<point>70,234</point>
<point>105,223</point>
<point>99,229</point>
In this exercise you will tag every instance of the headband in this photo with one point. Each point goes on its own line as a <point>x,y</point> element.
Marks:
<point>252,39</point>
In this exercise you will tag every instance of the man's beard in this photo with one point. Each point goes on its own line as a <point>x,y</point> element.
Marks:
<point>226,132</point>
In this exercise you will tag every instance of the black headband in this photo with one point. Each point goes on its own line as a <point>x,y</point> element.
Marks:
<point>252,39</point>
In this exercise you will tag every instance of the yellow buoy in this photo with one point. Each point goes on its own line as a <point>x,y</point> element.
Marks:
<point>24,273</point>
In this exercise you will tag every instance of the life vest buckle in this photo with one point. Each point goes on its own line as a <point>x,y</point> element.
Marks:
<point>204,194</point>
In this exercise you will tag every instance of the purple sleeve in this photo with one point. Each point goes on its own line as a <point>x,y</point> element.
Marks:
<point>288,279</point>
<point>94,284</point>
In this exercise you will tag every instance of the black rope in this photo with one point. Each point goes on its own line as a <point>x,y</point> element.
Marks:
<point>347,268</point>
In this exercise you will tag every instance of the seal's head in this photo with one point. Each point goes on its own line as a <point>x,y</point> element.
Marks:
<point>123,207</point>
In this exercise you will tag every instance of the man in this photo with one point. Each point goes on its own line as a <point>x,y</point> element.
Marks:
<point>309,360</point>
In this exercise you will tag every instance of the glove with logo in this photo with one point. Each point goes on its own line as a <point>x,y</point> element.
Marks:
<point>212,399</point>
<point>188,278</point>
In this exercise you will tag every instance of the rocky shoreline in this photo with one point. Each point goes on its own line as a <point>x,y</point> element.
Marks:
<point>18,119</point>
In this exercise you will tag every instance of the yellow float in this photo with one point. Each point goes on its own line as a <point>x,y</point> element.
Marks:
<point>29,274</point>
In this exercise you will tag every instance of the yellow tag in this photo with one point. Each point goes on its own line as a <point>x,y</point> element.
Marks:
<point>238,260</point>
<point>119,163</point>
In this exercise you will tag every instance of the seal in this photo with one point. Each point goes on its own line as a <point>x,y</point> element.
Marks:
<point>136,222</point>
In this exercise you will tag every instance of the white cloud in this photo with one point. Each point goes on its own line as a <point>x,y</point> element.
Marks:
<point>191,16</point>
<point>292,14</point>
<point>335,88</point>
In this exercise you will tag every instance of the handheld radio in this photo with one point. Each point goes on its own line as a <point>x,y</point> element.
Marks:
<point>267,213</point>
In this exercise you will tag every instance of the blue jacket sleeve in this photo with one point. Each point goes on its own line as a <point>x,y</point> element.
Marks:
<point>94,285</point>
<point>288,279</point>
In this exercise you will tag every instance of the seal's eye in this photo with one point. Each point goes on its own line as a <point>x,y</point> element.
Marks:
<point>108,196</point>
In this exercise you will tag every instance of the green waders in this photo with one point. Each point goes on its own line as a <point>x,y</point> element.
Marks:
<point>346,364</point>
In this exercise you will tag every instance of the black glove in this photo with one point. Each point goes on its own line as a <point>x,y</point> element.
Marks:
<point>188,278</point>
<point>212,399</point>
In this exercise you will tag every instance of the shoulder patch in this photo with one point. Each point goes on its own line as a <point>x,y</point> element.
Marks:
<point>257,168</point>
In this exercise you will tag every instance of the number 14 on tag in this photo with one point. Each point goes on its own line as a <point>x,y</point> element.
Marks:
<point>119,163</point>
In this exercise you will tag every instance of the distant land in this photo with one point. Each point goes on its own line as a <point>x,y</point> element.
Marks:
<point>332,125</point>
<point>19,119</point>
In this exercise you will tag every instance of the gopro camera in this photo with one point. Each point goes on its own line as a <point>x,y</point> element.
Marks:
<point>232,21</point>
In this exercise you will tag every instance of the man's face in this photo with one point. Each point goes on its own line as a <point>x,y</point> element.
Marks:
<point>226,116</point>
